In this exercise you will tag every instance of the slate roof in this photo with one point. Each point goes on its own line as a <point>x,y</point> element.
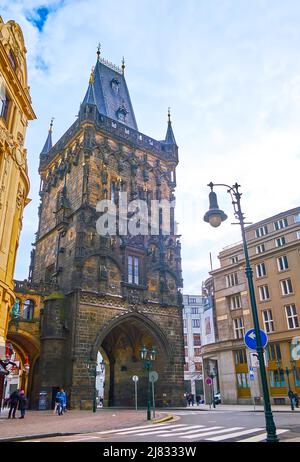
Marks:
<point>170,138</point>
<point>48,143</point>
<point>109,90</point>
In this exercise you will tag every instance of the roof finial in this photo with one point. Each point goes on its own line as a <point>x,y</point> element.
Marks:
<point>169,114</point>
<point>51,125</point>
<point>98,51</point>
<point>92,76</point>
<point>123,65</point>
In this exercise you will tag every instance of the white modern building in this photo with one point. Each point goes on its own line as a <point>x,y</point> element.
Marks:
<point>192,328</point>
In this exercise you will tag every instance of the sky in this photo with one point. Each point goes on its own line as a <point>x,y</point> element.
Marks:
<point>229,70</point>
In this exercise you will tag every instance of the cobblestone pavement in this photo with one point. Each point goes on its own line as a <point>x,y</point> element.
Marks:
<point>45,422</point>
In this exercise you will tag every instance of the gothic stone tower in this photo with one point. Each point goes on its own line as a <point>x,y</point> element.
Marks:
<point>113,294</point>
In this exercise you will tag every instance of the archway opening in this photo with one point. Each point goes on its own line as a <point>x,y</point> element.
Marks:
<point>122,350</point>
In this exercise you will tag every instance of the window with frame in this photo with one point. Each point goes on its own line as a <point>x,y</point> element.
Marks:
<point>291,316</point>
<point>286,286</point>
<point>298,234</point>
<point>192,300</point>
<point>260,248</point>
<point>133,270</point>
<point>195,322</point>
<point>297,218</point>
<point>280,241</point>
<point>197,351</point>
<point>194,310</point>
<point>240,356</point>
<point>238,327</point>
<point>280,224</point>
<point>28,310</point>
<point>234,259</point>
<point>4,106</point>
<point>261,270</point>
<point>268,321</point>
<point>297,376</point>
<point>242,380</point>
<point>277,378</point>
<point>235,302</point>
<point>273,351</point>
<point>262,231</point>
<point>186,367</point>
<point>282,263</point>
<point>184,323</point>
<point>186,352</point>
<point>232,279</point>
<point>264,293</point>
<point>185,339</point>
<point>197,340</point>
<point>198,367</point>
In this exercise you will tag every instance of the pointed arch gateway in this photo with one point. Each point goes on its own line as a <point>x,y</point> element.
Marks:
<point>120,342</point>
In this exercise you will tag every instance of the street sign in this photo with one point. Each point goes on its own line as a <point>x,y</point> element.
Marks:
<point>135,378</point>
<point>208,381</point>
<point>153,376</point>
<point>250,339</point>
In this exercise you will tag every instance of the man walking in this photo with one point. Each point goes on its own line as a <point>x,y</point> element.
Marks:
<point>292,399</point>
<point>22,403</point>
<point>13,404</point>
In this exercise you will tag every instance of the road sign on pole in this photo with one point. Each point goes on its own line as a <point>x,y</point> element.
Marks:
<point>153,376</point>
<point>250,339</point>
<point>208,381</point>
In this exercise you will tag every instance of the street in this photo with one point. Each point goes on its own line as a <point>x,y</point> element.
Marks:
<point>196,426</point>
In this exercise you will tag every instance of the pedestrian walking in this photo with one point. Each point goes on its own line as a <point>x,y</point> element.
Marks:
<point>64,400</point>
<point>22,404</point>
<point>13,404</point>
<point>292,399</point>
<point>59,400</point>
<point>198,399</point>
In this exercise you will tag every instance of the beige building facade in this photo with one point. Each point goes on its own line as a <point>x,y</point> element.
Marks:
<point>15,111</point>
<point>274,251</point>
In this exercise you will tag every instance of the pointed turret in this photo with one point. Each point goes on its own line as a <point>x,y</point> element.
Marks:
<point>90,94</point>
<point>108,90</point>
<point>170,138</point>
<point>48,143</point>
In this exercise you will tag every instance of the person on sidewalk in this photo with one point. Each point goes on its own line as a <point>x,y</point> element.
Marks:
<point>13,404</point>
<point>22,403</point>
<point>296,399</point>
<point>64,396</point>
<point>59,399</point>
<point>292,399</point>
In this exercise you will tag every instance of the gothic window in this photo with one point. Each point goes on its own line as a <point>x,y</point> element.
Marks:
<point>49,272</point>
<point>28,310</point>
<point>133,269</point>
<point>121,116</point>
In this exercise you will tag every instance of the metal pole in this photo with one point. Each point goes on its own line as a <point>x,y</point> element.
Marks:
<point>135,389</point>
<point>94,397</point>
<point>153,400</point>
<point>149,392</point>
<point>270,425</point>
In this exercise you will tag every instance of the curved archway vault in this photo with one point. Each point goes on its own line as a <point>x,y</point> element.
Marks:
<point>121,339</point>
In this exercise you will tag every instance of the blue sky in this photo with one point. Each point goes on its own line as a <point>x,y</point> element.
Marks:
<point>230,70</point>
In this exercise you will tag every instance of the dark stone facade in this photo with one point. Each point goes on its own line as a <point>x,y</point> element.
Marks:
<point>95,307</point>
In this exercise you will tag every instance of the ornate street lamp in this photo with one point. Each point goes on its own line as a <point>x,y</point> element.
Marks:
<point>148,356</point>
<point>215,216</point>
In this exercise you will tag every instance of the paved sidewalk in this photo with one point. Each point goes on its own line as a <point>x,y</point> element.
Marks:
<point>45,422</point>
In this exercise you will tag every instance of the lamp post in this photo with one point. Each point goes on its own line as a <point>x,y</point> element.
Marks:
<point>148,356</point>
<point>214,216</point>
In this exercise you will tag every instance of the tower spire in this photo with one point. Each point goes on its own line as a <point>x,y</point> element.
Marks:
<point>98,51</point>
<point>48,143</point>
<point>170,138</point>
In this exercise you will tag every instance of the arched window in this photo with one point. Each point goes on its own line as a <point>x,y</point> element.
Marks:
<point>28,310</point>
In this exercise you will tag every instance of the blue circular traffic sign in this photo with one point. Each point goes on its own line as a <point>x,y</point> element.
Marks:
<point>250,339</point>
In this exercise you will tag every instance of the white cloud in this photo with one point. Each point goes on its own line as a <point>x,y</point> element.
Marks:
<point>230,72</point>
